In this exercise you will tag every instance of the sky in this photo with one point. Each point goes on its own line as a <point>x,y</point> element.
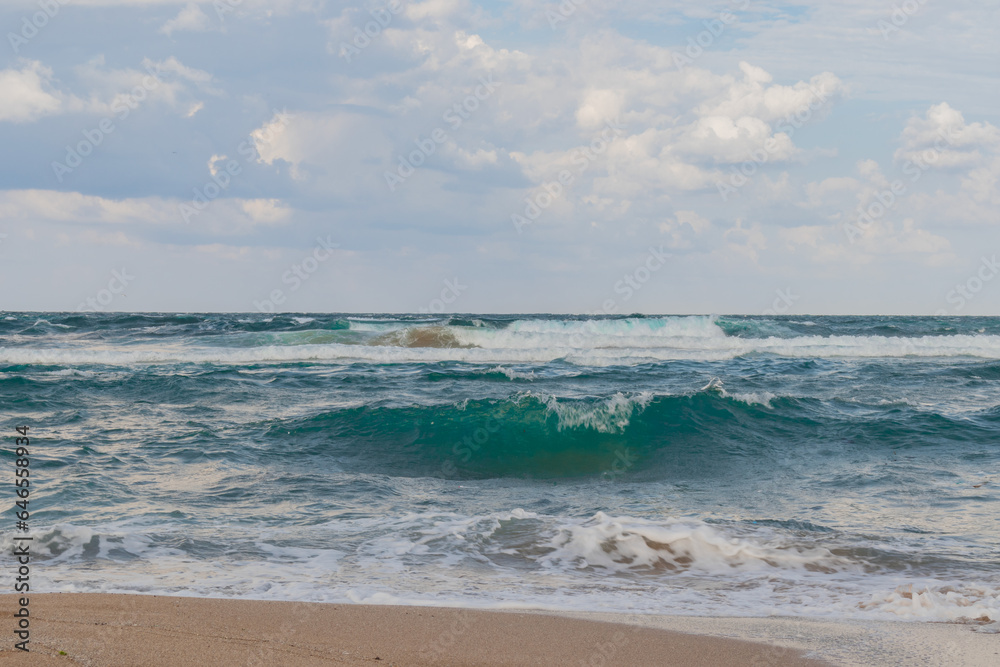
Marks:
<point>583,156</point>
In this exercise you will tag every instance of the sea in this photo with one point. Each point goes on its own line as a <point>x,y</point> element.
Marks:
<point>830,467</point>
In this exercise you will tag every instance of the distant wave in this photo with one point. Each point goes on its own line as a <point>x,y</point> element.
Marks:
<point>438,337</point>
<point>611,346</point>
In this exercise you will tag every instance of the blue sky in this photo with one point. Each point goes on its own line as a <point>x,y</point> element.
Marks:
<point>239,157</point>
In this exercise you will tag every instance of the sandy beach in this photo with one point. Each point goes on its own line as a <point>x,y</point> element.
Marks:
<point>102,629</point>
<point>96,629</point>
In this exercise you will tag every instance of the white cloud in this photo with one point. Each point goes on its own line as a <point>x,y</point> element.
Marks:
<point>191,17</point>
<point>168,82</point>
<point>598,107</point>
<point>26,94</point>
<point>726,140</point>
<point>266,211</point>
<point>830,191</point>
<point>889,229</point>
<point>672,140</point>
<point>682,230</point>
<point>942,139</point>
<point>886,238</point>
<point>756,96</point>
<point>78,208</point>
<point>746,241</point>
<point>469,159</point>
<point>223,217</point>
<point>435,9</point>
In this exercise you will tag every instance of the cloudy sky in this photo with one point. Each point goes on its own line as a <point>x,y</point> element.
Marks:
<point>516,156</point>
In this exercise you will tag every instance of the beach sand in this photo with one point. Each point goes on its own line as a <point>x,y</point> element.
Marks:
<point>102,629</point>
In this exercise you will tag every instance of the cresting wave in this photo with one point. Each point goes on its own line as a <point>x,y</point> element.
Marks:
<point>619,437</point>
<point>525,435</point>
<point>638,545</point>
<point>593,342</point>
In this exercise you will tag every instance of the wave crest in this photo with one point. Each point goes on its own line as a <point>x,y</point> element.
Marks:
<point>630,545</point>
<point>436,337</point>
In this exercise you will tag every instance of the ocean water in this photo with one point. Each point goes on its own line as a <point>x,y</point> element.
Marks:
<point>842,467</point>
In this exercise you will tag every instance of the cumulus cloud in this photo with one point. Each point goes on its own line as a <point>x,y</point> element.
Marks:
<point>942,139</point>
<point>755,95</point>
<point>26,94</point>
<point>554,105</point>
<point>323,150</point>
<point>673,142</point>
<point>869,215</point>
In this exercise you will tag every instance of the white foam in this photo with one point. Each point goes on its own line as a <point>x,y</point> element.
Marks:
<point>71,372</point>
<point>51,324</point>
<point>655,327</point>
<point>571,335</point>
<point>502,559</point>
<point>956,603</point>
<point>511,373</point>
<point>750,398</point>
<point>628,544</point>
<point>609,416</point>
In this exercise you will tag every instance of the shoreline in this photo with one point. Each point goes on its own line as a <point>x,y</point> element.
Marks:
<point>123,629</point>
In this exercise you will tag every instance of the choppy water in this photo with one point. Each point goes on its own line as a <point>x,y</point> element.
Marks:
<point>710,465</point>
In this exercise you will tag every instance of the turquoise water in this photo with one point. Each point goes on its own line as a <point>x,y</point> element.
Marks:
<point>828,466</point>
